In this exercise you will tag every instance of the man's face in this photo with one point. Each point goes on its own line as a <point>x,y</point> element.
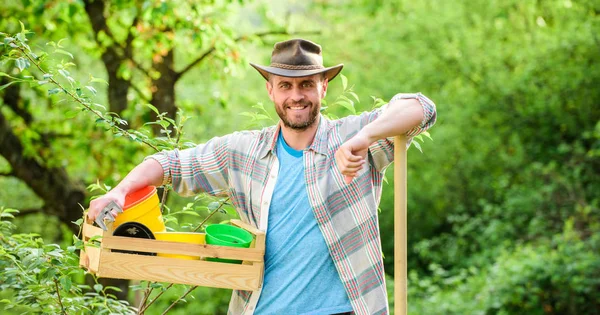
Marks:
<point>297,100</point>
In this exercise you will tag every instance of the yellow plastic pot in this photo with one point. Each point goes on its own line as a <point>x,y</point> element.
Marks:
<point>142,206</point>
<point>181,237</point>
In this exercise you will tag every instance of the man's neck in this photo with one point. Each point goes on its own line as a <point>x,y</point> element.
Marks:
<point>300,140</point>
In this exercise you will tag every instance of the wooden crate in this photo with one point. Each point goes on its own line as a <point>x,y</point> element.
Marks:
<point>105,263</point>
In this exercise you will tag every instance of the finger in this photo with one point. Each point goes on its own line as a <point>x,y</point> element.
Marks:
<point>95,206</point>
<point>353,158</point>
<point>352,171</point>
<point>93,212</point>
<point>349,155</point>
<point>358,164</point>
<point>355,169</point>
<point>348,179</point>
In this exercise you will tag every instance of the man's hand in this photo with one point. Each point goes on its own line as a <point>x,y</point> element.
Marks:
<point>352,155</point>
<point>98,204</point>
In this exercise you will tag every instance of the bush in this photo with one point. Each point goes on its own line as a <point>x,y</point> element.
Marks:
<point>560,276</point>
<point>44,277</point>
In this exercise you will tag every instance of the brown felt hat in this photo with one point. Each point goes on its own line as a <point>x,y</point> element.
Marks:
<point>297,58</point>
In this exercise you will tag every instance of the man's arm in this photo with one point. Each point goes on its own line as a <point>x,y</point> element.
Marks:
<point>190,171</point>
<point>399,117</point>
<point>147,173</point>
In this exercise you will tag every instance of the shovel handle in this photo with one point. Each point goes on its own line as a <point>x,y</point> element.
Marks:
<point>400,228</point>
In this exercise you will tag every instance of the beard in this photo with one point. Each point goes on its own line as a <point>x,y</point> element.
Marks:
<point>298,124</point>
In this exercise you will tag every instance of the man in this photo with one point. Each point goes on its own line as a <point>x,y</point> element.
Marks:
<point>312,184</point>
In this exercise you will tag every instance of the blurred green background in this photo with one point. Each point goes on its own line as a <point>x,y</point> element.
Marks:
<point>504,203</point>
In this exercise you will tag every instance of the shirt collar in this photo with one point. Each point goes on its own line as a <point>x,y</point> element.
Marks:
<point>318,145</point>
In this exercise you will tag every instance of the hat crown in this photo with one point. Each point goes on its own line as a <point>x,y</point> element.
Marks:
<point>297,58</point>
<point>297,52</point>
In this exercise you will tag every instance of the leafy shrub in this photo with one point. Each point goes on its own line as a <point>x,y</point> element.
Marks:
<point>44,277</point>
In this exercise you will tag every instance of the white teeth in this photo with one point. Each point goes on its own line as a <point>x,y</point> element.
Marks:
<point>297,108</point>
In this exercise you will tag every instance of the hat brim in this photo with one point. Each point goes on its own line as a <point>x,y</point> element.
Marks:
<point>330,72</point>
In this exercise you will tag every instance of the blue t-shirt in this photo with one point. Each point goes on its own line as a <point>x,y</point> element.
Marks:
<point>300,277</point>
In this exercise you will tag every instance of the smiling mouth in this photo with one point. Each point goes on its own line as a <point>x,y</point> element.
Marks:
<point>297,107</point>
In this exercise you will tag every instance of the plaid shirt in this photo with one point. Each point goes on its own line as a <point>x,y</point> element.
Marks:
<point>244,166</point>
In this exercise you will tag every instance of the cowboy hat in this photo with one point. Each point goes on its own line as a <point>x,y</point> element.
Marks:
<point>297,58</point>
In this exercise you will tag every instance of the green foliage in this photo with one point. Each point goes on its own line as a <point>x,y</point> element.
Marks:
<point>558,276</point>
<point>503,206</point>
<point>45,278</point>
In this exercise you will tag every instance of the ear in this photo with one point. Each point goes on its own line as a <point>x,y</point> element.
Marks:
<point>325,85</point>
<point>270,90</point>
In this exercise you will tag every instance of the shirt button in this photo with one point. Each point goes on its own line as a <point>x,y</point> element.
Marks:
<point>251,307</point>
<point>266,203</point>
<point>273,176</point>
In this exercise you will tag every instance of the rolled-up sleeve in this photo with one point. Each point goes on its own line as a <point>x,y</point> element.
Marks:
<point>203,168</point>
<point>429,115</point>
<point>382,151</point>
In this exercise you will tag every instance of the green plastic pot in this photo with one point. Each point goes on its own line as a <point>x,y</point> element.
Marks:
<point>227,235</point>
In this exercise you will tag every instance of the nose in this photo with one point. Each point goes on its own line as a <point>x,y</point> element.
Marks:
<point>297,95</point>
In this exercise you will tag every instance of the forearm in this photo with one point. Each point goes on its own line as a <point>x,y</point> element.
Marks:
<point>147,173</point>
<point>400,116</point>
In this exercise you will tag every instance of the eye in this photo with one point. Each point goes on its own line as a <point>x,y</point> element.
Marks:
<point>284,85</point>
<point>307,84</point>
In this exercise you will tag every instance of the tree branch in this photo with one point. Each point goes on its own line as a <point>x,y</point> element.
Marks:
<point>179,299</point>
<point>25,212</point>
<point>207,53</point>
<point>95,12</point>
<point>59,299</point>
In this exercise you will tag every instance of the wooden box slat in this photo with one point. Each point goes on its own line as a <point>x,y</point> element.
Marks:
<point>108,264</point>
<point>165,247</point>
<point>90,231</point>
<point>192,272</point>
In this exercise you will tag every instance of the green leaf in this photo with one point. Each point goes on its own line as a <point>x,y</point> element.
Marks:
<point>348,106</point>
<point>354,95</point>
<point>21,64</point>
<point>344,97</point>
<point>60,41</point>
<point>155,285</point>
<point>22,27</point>
<point>47,76</point>
<point>64,73</point>
<point>92,79</point>
<point>92,89</point>
<point>213,206</point>
<point>53,91</point>
<point>65,282</point>
<point>154,109</point>
<point>426,134</point>
<point>417,145</point>
<point>64,52</point>
<point>344,81</point>
<point>6,85</point>
<point>42,82</point>
<point>21,38</point>
<point>116,289</point>
<point>98,287</point>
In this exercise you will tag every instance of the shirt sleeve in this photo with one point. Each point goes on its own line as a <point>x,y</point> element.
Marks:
<point>381,152</point>
<point>203,168</point>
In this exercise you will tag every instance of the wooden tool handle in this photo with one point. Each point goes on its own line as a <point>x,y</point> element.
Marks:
<point>400,228</point>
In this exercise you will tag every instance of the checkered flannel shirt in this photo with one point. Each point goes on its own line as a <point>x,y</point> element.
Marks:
<point>244,166</point>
